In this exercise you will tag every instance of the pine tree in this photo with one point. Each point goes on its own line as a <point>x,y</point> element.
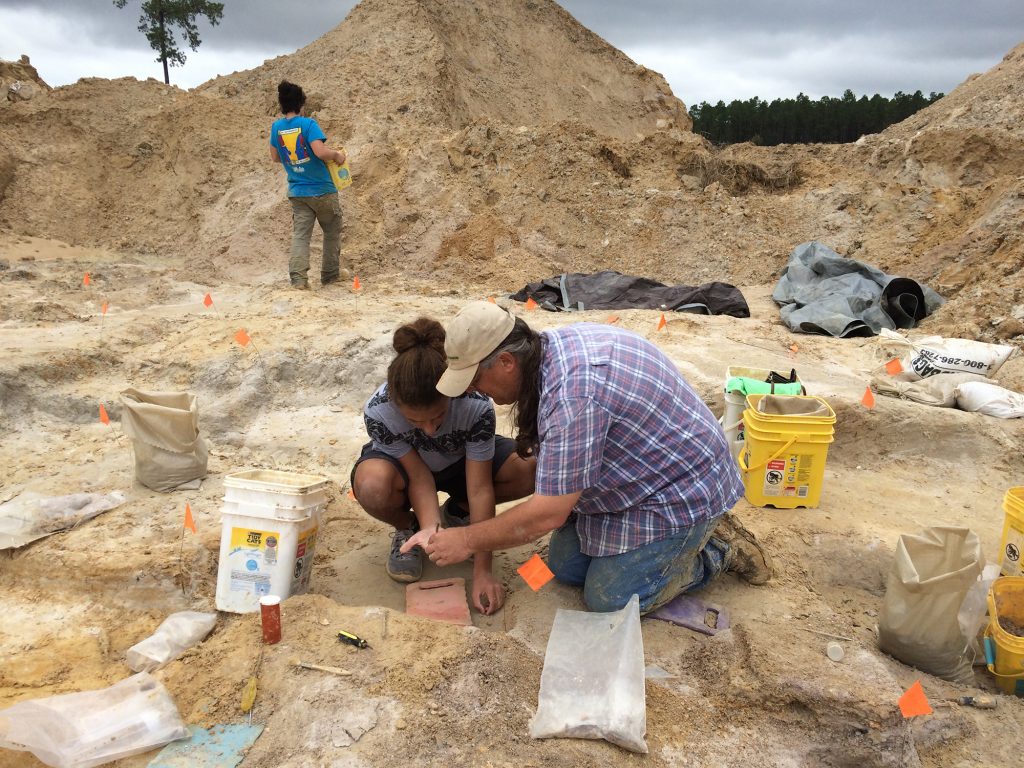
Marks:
<point>157,22</point>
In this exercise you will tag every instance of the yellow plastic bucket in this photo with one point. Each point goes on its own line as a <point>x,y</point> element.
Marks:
<point>783,463</point>
<point>1004,650</point>
<point>736,402</point>
<point>1012,545</point>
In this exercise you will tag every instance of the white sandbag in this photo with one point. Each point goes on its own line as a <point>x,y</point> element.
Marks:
<point>592,686</point>
<point>32,516</point>
<point>933,355</point>
<point>82,730</point>
<point>989,399</point>
<point>178,632</point>
<point>164,429</point>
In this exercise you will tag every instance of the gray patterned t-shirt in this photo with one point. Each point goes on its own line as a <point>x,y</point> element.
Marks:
<point>467,430</point>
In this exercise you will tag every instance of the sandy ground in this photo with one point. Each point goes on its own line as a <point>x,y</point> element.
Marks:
<point>762,693</point>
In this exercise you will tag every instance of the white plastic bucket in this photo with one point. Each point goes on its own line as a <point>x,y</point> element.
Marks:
<point>273,493</point>
<point>267,548</point>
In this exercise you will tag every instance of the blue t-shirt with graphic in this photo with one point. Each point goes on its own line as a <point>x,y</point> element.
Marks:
<point>308,175</point>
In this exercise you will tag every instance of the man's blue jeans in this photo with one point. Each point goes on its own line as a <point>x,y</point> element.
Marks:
<point>657,572</point>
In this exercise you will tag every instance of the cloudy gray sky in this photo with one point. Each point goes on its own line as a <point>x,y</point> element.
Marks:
<point>706,50</point>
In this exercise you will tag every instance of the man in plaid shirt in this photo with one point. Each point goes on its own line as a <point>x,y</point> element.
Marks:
<point>634,474</point>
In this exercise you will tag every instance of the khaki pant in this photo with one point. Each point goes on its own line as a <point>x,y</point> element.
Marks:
<point>325,209</point>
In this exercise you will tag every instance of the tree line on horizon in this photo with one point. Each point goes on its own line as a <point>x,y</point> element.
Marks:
<point>828,120</point>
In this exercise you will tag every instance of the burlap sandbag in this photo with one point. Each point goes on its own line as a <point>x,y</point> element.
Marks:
<point>930,577</point>
<point>164,430</point>
<point>939,391</point>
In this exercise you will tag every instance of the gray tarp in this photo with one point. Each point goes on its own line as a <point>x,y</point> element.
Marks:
<point>822,292</point>
<point>613,290</point>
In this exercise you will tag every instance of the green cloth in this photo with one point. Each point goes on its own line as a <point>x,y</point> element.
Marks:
<point>757,387</point>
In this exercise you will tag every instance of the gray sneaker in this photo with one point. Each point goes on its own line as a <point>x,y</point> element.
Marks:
<point>406,567</point>
<point>452,516</point>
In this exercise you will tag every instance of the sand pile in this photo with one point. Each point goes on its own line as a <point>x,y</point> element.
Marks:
<point>488,166</point>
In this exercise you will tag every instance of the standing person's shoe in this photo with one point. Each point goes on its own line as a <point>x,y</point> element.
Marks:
<point>300,285</point>
<point>406,567</point>
<point>452,516</point>
<point>748,558</point>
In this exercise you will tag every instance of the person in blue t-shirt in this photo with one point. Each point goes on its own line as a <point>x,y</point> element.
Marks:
<point>300,146</point>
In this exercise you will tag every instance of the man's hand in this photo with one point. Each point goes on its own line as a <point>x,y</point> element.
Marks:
<point>340,157</point>
<point>444,547</point>
<point>488,593</point>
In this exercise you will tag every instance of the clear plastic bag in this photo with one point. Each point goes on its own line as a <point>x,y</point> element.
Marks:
<point>82,730</point>
<point>32,516</point>
<point>592,686</point>
<point>178,632</point>
<point>974,609</point>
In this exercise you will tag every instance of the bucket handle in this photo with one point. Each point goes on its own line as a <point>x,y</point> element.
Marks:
<point>743,458</point>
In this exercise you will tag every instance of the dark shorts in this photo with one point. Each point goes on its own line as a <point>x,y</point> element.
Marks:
<point>450,480</point>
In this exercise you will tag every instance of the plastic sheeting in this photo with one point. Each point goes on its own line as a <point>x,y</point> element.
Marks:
<point>822,292</point>
<point>613,290</point>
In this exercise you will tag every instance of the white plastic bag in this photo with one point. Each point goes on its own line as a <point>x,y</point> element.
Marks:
<point>934,355</point>
<point>974,608</point>
<point>990,400</point>
<point>592,686</point>
<point>930,577</point>
<point>178,632</point>
<point>32,516</point>
<point>82,730</point>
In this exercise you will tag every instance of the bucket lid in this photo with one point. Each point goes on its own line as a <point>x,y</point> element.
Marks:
<point>275,480</point>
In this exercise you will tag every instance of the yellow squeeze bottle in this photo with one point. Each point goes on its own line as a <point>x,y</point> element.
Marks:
<point>340,174</point>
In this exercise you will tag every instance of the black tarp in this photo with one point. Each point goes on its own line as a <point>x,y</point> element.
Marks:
<point>613,290</point>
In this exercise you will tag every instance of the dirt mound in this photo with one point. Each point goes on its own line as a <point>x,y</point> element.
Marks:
<point>418,65</point>
<point>19,80</point>
<point>484,168</point>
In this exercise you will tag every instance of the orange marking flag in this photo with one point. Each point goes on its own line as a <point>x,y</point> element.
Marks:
<point>189,522</point>
<point>793,349</point>
<point>531,304</point>
<point>535,572</point>
<point>491,299</point>
<point>894,366</point>
<point>612,319</point>
<point>208,300</point>
<point>662,322</point>
<point>242,337</point>
<point>914,702</point>
<point>103,309</point>
<point>356,285</point>
<point>351,494</point>
<point>868,401</point>
<point>103,415</point>
<point>86,280</point>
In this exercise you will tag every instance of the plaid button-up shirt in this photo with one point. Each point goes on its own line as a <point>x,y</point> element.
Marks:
<point>618,422</point>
